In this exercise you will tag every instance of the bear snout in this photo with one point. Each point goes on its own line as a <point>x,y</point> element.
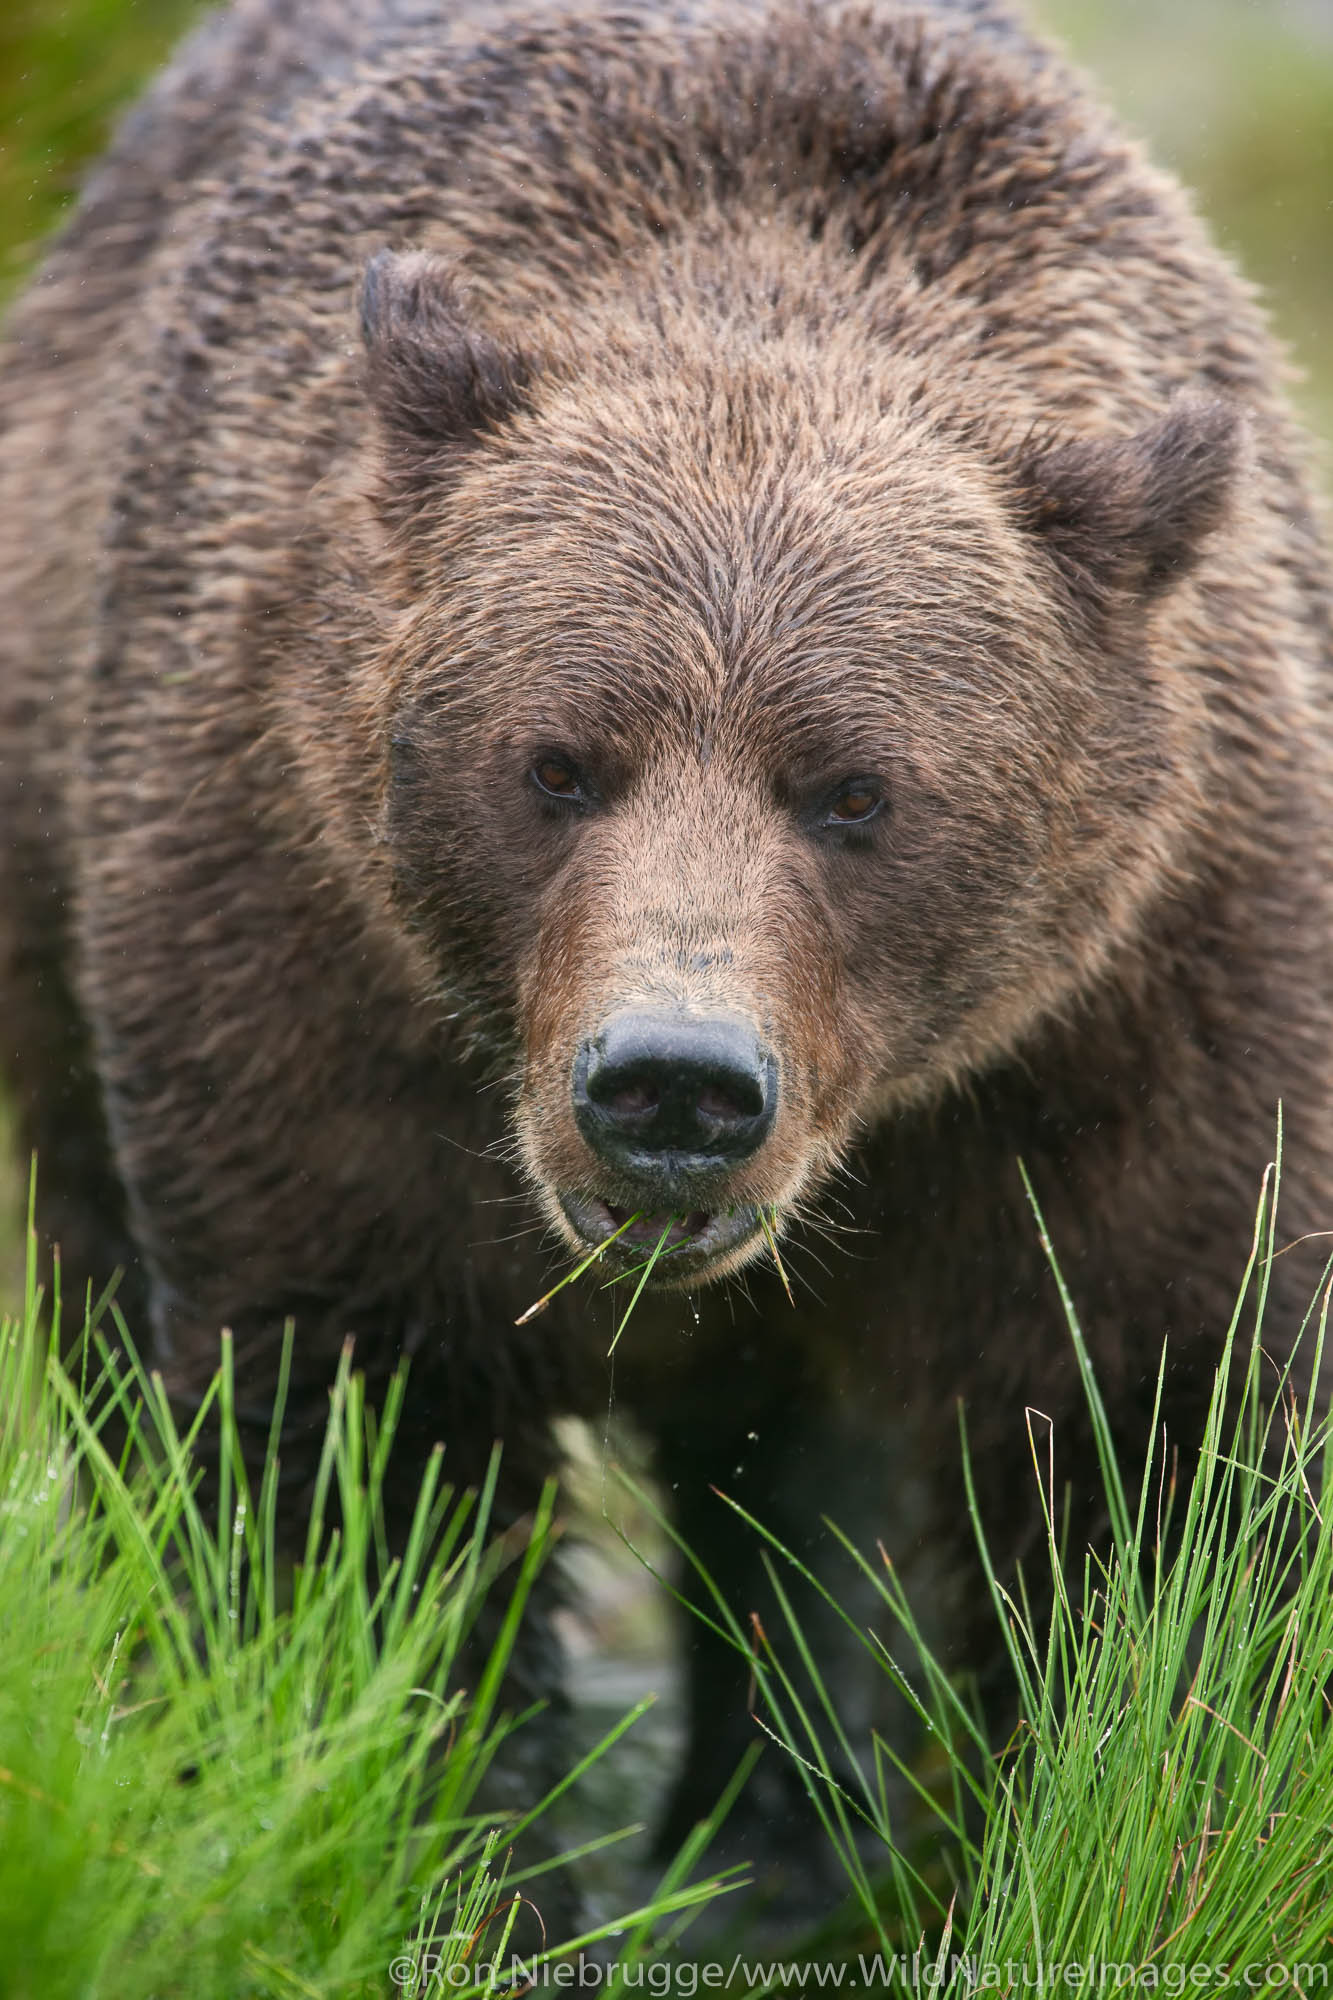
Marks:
<point>675,1099</point>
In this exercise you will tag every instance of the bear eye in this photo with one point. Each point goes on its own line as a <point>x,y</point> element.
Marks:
<point>855,802</point>
<point>558,778</point>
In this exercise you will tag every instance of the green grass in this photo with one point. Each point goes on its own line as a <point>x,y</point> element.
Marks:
<point>221,1774</point>
<point>1164,1803</point>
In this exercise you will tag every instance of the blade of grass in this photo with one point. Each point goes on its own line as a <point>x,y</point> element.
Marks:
<point>766,1223</point>
<point>638,1290</point>
<point>541,1304</point>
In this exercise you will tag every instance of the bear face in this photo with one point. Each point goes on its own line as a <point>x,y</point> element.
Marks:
<point>837,765</point>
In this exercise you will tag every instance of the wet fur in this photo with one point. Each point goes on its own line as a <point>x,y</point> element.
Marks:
<point>759,398</point>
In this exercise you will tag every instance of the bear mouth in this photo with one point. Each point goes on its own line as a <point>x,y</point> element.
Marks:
<point>684,1241</point>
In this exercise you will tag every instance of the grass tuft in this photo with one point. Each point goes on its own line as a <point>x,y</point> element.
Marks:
<point>221,1773</point>
<point>1163,1801</point>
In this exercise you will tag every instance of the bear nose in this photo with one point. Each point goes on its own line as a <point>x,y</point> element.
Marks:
<point>696,1086</point>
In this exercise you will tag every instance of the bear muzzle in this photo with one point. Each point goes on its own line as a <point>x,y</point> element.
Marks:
<point>671,1103</point>
<point>692,1244</point>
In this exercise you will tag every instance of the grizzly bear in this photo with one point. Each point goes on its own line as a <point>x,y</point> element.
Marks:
<point>701,613</point>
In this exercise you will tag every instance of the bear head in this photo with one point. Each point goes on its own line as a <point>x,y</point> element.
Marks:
<point>773,740</point>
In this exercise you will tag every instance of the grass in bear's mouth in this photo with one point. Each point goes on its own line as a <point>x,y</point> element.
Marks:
<point>658,1248</point>
<point>644,1228</point>
<point>768,1222</point>
<point>598,1250</point>
<point>633,1228</point>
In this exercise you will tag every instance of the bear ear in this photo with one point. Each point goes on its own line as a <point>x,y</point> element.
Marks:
<point>1128,516</point>
<point>435,381</point>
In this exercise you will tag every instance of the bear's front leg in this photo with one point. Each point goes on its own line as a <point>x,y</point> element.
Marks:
<point>754,1425</point>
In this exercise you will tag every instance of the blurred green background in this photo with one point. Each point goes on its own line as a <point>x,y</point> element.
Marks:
<point>1235,95</point>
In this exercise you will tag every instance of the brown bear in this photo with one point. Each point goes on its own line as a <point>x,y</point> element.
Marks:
<point>700,612</point>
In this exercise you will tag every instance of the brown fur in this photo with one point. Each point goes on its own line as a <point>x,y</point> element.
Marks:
<point>763,398</point>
